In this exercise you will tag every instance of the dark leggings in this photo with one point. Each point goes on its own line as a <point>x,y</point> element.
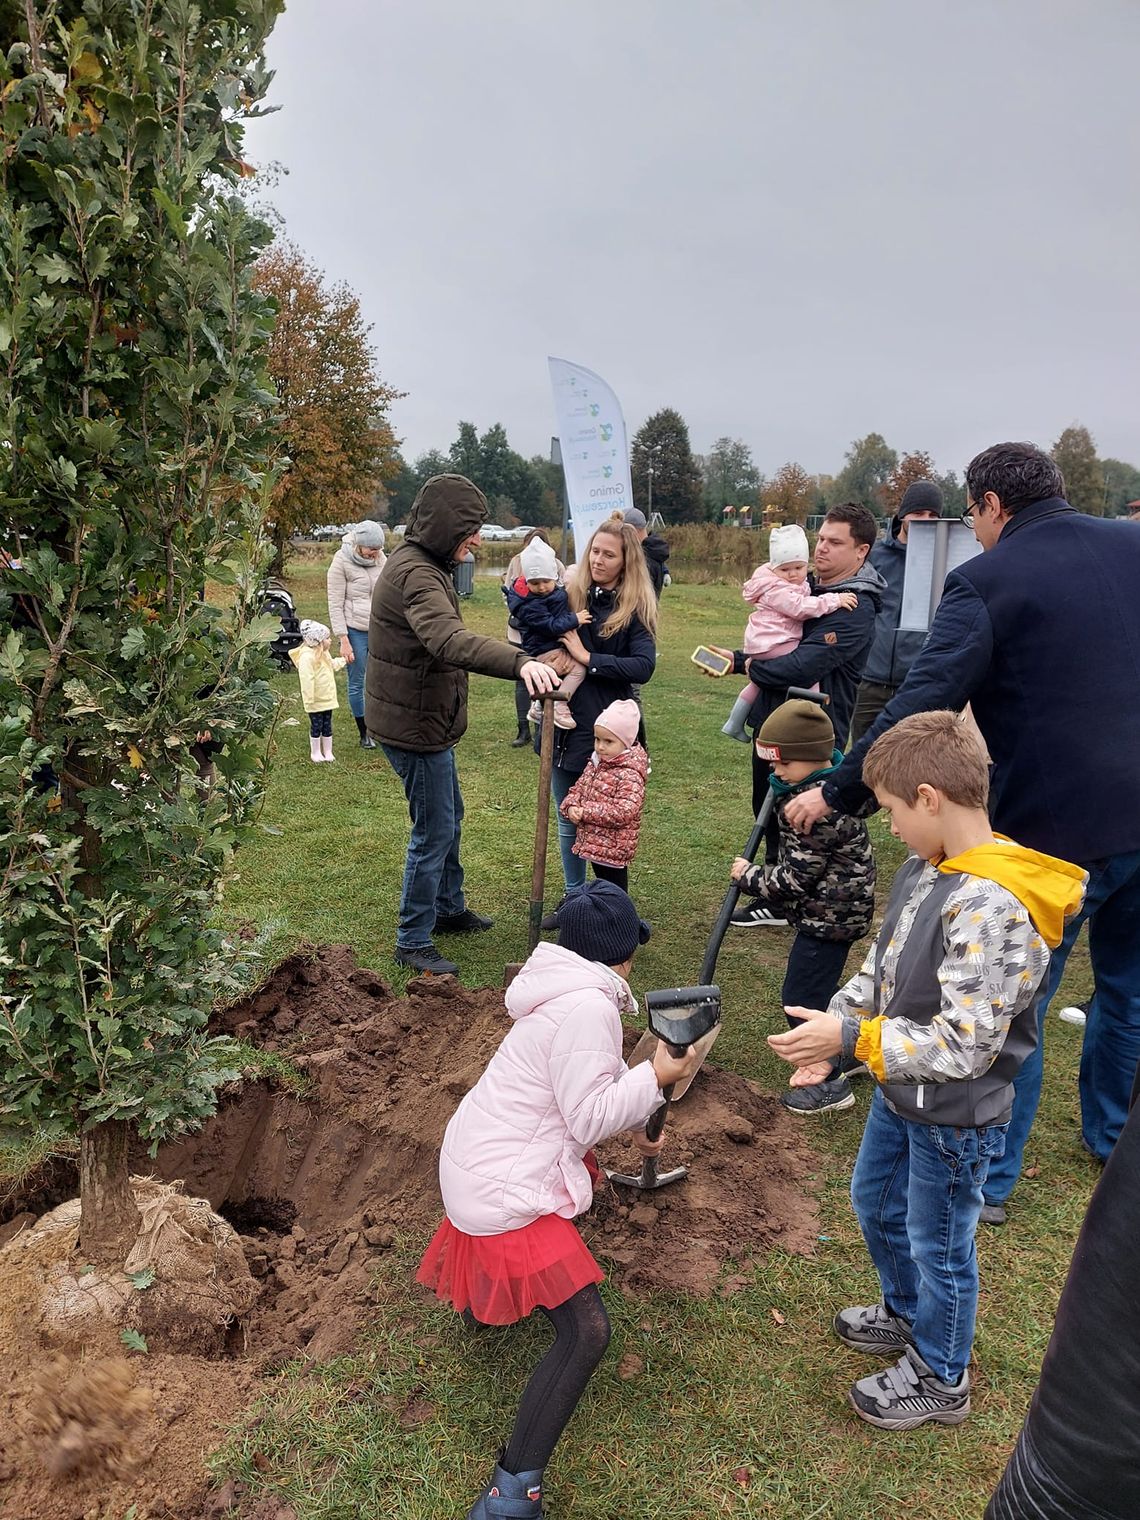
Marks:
<point>581,1335</point>
<point>523,700</point>
<point>619,875</point>
<point>320,725</point>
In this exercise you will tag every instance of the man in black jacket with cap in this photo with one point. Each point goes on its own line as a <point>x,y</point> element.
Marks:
<point>893,649</point>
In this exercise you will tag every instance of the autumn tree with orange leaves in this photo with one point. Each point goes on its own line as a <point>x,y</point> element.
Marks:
<point>336,444</point>
<point>792,490</point>
<point>911,467</point>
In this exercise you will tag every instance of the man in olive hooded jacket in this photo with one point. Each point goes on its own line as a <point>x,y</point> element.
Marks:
<point>415,704</point>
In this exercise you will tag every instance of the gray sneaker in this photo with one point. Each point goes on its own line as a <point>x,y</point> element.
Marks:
<point>908,1394</point>
<point>823,1098</point>
<point>873,1328</point>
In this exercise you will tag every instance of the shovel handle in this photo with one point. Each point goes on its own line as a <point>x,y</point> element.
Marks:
<point>656,1121</point>
<point>541,822</point>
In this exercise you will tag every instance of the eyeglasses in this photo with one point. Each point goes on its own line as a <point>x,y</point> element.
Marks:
<point>968,517</point>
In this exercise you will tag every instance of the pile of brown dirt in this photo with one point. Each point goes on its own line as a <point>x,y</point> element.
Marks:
<point>320,1187</point>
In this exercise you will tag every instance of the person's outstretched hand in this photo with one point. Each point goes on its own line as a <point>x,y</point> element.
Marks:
<point>537,677</point>
<point>346,648</point>
<point>805,811</point>
<point>818,1038</point>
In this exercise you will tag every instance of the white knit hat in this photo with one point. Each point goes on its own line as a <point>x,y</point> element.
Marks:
<point>313,633</point>
<point>538,562</point>
<point>788,545</point>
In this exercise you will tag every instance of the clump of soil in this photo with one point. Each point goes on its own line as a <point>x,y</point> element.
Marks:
<point>320,1186</point>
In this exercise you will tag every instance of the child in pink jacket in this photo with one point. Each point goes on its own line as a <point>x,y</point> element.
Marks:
<point>516,1167</point>
<point>605,802</point>
<point>783,603</point>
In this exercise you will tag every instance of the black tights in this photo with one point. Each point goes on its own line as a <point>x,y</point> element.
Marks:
<point>581,1335</point>
<point>619,875</point>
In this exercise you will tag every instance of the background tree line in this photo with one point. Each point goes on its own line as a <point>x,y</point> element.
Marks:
<point>338,457</point>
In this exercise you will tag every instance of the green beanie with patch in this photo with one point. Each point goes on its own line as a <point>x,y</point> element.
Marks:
<point>797,730</point>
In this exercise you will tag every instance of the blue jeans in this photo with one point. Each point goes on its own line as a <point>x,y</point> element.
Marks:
<point>573,866</point>
<point>433,877</point>
<point>358,638</point>
<point>1112,1034</point>
<point>917,1191</point>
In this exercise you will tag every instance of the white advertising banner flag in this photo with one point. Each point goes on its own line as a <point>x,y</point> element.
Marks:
<point>595,450</point>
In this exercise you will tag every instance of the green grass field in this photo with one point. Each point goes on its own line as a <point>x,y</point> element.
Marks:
<point>737,1413</point>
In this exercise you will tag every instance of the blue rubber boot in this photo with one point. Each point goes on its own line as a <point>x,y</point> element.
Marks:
<point>509,1496</point>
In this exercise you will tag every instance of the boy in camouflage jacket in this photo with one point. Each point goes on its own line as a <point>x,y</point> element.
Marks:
<point>943,1013</point>
<point>823,882</point>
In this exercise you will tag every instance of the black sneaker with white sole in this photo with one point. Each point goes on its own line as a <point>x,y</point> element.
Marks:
<point>757,917</point>
<point>908,1394</point>
<point>426,958</point>
<point>467,922</point>
<point>823,1098</point>
<point>872,1328</point>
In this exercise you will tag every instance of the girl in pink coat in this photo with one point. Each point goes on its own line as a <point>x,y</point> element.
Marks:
<point>605,802</point>
<point>782,603</point>
<point>517,1166</point>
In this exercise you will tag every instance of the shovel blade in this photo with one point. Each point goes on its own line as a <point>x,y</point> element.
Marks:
<point>647,1045</point>
<point>645,1183</point>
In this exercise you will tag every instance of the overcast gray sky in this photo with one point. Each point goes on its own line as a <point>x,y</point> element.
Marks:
<point>796,221</point>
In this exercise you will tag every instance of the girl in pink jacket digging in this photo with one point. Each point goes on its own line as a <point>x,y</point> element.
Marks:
<point>517,1166</point>
<point>782,603</point>
<point>605,802</point>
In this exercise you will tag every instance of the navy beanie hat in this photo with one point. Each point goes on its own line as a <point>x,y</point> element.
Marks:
<point>600,923</point>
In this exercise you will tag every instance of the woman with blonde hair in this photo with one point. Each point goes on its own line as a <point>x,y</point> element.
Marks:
<point>617,650</point>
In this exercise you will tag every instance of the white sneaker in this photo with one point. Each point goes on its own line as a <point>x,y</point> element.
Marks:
<point>758,917</point>
<point>1075,1015</point>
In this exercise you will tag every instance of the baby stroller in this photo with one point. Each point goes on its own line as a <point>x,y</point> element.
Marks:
<point>275,601</point>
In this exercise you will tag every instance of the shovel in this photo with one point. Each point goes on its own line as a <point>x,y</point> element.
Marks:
<point>681,1016</point>
<point>645,1047</point>
<point>541,831</point>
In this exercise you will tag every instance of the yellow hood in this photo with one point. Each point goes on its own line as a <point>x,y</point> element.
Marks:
<point>1052,890</point>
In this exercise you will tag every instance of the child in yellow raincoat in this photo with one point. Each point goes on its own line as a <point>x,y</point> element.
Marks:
<point>316,670</point>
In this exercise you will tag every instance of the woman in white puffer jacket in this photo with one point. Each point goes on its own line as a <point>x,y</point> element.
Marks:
<point>351,579</point>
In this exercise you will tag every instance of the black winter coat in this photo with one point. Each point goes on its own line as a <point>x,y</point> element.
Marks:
<point>656,552</point>
<point>617,664</point>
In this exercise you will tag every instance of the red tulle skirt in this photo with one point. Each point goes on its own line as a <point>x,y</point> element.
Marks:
<point>503,1278</point>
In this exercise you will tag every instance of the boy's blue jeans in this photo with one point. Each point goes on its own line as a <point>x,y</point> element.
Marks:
<point>358,638</point>
<point>1111,1046</point>
<point>433,877</point>
<point>917,1191</point>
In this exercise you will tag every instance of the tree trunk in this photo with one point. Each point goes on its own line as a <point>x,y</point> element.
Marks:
<point>109,1221</point>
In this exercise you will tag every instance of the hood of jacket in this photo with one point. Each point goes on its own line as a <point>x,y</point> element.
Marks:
<point>552,971</point>
<point>1051,890</point>
<point>655,547</point>
<point>866,579</point>
<point>448,509</point>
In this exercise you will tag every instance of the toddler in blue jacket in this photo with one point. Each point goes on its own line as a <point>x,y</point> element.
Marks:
<point>541,612</point>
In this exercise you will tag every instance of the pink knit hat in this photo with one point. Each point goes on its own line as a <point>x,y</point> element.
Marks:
<point>622,719</point>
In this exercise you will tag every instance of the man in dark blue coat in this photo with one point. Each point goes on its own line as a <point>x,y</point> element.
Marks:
<point>1041,635</point>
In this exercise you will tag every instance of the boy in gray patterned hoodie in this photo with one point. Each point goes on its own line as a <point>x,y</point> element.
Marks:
<point>943,1013</point>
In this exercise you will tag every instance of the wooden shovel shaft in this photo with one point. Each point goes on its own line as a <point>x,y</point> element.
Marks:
<point>541,821</point>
